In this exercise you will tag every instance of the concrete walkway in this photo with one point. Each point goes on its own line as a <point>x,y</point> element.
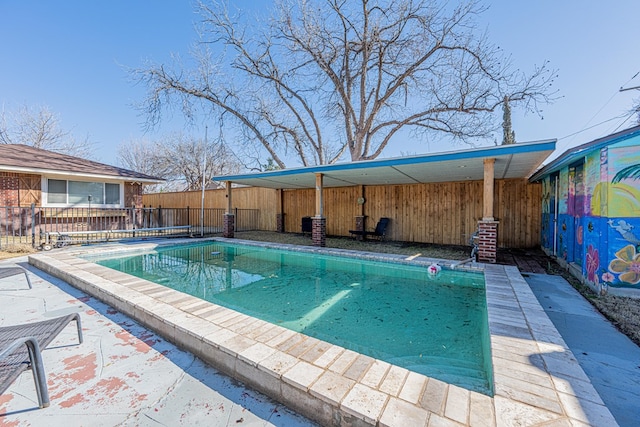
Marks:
<point>608,357</point>
<point>122,374</point>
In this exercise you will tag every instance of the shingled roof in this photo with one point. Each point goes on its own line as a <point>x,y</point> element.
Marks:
<point>27,159</point>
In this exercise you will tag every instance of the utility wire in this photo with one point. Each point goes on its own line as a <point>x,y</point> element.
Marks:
<point>591,127</point>
<point>585,128</point>
<point>622,88</point>
<point>631,114</point>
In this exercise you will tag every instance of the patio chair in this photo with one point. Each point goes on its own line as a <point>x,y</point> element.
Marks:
<point>13,271</point>
<point>20,349</point>
<point>380,232</point>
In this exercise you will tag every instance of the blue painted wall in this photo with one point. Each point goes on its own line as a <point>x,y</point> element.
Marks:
<point>595,221</point>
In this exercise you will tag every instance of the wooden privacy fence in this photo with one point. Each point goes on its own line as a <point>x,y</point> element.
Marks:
<point>440,213</point>
<point>34,225</point>
<point>264,200</point>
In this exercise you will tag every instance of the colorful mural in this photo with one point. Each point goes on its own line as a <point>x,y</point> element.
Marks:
<point>623,196</point>
<point>595,223</point>
<point>626,265</point>
<point>622,200</point>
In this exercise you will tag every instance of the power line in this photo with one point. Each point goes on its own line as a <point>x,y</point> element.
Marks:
<point>591,127</point>
<point>622,88</point>
<point>624,121</point>
<point>625,116</point>
<point>601,108</point>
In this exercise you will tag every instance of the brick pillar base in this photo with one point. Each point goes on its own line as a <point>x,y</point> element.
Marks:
<point>487,241</point>
<point>319,231</point>
<point>280,223</point>
<point>360,226</point>
<point>228,228</point>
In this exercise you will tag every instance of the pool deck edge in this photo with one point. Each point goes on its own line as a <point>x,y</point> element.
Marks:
<point>536,378</point>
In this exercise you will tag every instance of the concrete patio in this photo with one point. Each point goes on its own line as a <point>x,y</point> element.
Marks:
<point>125,374</point>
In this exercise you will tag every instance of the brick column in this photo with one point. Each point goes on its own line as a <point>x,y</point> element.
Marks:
<point>229,226</point>
<point>9,189</point>
<point>487,240</point>
<point>280,223</point>
<point>360,219</point>
<point>319,231</point>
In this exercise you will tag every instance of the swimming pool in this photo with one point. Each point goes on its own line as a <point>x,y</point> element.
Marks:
<point>393,312</point>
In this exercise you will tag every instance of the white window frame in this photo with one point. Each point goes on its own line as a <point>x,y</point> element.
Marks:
<point>85,203</point>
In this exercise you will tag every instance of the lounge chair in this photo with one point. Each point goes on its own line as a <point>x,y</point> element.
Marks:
<point>380,231</point>
<point>12,271</point>
<point>20,347</point>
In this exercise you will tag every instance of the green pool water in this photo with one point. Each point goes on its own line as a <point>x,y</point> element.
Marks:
<point>394,312</point>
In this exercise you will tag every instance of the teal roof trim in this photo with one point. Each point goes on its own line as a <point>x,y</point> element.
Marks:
<point>483,152</point>
<point>574,154</point>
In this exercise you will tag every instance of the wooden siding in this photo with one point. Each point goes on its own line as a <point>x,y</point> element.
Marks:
<point>441,213</point>
<point>29,190</point>
<point>264,199</point>
<point>518,207</point>
<point>297,204</point>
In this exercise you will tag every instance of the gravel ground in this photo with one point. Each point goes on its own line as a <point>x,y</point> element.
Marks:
<point>623,312</point>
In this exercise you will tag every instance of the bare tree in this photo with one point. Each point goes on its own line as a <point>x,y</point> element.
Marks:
<point>40,127</point>
<point>182,161</point>
<point>140,155</point>
<point>325,77</point>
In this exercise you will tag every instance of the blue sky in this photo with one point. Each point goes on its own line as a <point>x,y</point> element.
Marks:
<point>71,56</point>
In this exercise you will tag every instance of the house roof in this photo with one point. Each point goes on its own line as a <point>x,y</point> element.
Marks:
<point>573,154</point>
<point>512,161</point>
<point>28,159</point>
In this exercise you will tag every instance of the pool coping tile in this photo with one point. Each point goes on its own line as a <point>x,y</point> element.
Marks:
<point>536,377</point>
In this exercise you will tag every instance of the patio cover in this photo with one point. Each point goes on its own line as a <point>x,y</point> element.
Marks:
<point>488,164</point>
<point>519,160</point>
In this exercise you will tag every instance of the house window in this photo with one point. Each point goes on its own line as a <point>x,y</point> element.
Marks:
<point>79,192</point>
<point>68,192</point>
<point>112,194</point>
<point>57,191</point>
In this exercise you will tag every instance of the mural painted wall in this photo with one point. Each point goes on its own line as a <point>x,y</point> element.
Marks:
<point>547,231</point>
<point>597,214</point>
<point>621,266</point>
